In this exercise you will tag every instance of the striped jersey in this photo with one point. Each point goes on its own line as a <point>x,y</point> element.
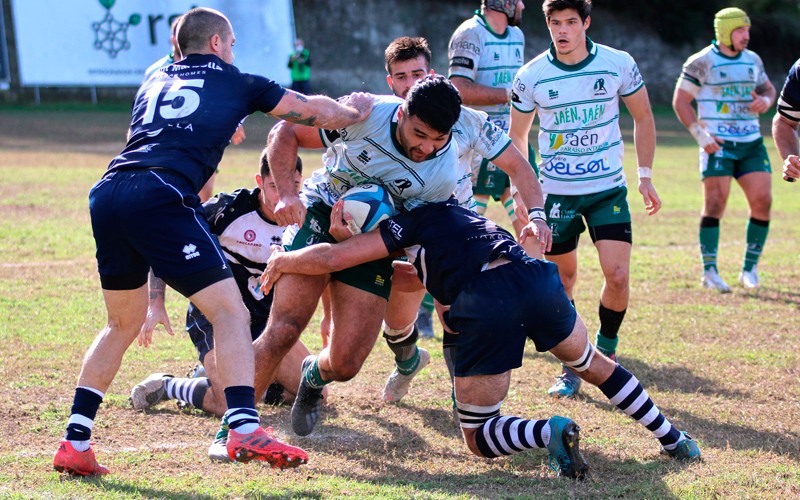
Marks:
<point>789,101</point>
<point>482,56</point>
<point>368,153</point>
<point>475,136</point>
<point>723,91</point>
<point>580,142</point>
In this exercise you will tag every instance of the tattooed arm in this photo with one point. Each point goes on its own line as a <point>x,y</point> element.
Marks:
<point>321,111</point>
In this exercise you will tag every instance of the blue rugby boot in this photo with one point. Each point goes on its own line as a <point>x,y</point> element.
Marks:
<point>567,384</point>
<point>686,451</point>
<point>565,455</point>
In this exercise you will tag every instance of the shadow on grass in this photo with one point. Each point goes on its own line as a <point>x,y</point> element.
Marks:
<point>525,474</point>
<point>115,486</point>
<point>773,295</point>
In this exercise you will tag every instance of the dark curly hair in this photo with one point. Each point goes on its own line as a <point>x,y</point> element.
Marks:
<point>435,101</point>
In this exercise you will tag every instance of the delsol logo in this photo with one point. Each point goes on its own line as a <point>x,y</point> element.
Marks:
<point>110,35</point>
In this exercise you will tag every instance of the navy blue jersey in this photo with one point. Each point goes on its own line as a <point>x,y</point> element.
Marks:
<point>185,114</point>
<point>789,102</point>
<point>448,245</point>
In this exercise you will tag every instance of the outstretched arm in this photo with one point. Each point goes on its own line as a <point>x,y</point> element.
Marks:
<point>321,111</point>
<point>324,258</point>
<point>784,132</point>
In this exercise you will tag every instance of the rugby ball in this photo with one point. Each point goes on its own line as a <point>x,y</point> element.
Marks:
<point>368,204</point>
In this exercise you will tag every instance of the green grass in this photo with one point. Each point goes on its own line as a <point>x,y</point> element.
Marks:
<point>725,368</point>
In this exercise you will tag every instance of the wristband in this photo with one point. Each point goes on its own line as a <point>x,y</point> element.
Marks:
<point>536,213</point>
<point>701,135</point>
<point>645,172</point>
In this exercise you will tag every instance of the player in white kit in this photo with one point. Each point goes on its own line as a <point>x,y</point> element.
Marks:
<point>575,87</point>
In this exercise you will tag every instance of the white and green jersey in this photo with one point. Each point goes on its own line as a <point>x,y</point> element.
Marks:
<point>475,136</point>
<point>481,55</point>
<point>722,88</point>
<point>580,142</point>
<point>368,153</point>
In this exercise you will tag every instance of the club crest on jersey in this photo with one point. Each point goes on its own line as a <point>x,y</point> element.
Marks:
<point>600,87</point>
<point>249,236</point>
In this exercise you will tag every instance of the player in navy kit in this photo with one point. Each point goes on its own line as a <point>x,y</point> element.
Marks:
<point>784,125</point>
<point>463,259</point>
<point>146,214</point>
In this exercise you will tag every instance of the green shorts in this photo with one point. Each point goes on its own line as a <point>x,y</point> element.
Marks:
<point>735,159</point>
<point>374,277</point>
<point>493,182</point>
<point>565,213</point>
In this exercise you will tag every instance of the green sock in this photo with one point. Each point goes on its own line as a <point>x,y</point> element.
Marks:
<point>427,302</point>
<point>606,345</point>
<point>408,366</point>
<point>312,376</point>
<point>756,237</point>
<point>709,241</point>
<point>509,206</point>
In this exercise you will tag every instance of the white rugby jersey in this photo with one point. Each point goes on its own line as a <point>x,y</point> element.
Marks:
<point>368,153</point>
<point>475,136</point>
<point>722,87</point>
<point>481,55</point>
<point>580,142</point>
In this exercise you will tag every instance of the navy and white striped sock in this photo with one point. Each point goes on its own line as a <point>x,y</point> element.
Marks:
<point>241,415</point>
<point>189,390</point>
<point>501,436</point>
<point>627,393</point>
<point>81,419</point>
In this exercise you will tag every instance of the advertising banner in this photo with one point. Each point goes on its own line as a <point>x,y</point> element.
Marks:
<point>112,42</point>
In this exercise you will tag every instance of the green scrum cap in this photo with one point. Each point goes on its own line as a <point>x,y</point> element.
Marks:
<point>726,21</point>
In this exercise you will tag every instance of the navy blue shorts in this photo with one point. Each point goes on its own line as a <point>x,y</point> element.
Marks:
<point>503,307</point>
<point>202,333</point>
<point>144,219</point>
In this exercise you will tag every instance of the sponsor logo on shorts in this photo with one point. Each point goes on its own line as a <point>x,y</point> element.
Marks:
<point>555,211</point>
<point>379,280</point>
<point>395,229</point>
<point>313,224</point>
<point>617,210</point>
<point>190,251</point>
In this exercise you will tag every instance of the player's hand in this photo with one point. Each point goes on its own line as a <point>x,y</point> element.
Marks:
<point>156,315</point>
<point>271,274</point>
<point>339,227</point>
<point>541,231</point>
<point>361,102</point>
<point>239,136</point>
<point>791,168</point>
<point>760,103</point>
<point>290,210</point>
<point>652,203</point>
<point>707,142</point>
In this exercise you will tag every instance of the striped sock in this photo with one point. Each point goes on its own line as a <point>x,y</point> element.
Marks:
<point>502,436</point>
<point>241,415</point>
<point>509,206</point>
<point>189,390</point>
<point>81,420</point>
<point>627,393</point>
<point>480,207</point>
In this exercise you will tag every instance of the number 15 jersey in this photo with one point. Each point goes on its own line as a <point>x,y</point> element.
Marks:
<point>185,114</point>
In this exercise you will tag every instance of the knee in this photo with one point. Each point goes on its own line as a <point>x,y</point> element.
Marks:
<point>568,278</point>
<point>761,205</point>
<point>617,279</point>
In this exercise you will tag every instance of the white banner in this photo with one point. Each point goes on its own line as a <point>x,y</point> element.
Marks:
<point>112,42</point>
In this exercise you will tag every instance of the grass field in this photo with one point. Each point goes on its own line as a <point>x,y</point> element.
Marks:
<point>724,368</point>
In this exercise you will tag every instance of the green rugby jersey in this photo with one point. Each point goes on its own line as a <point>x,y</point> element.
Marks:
<point>580,142</point>
<point>722,88</point>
